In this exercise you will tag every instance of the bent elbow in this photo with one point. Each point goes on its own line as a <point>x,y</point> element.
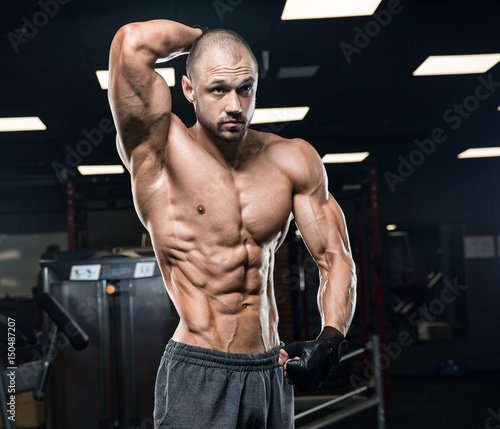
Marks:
<point>129,38</point>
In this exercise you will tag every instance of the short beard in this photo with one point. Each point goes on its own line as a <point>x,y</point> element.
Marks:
<point>216,130</point>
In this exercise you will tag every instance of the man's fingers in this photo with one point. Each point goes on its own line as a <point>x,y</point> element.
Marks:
<point>284,367</point>
<point>283,357</point>
<point>286,361</point>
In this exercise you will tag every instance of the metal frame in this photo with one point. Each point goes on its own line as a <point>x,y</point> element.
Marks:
<point>360,403</point>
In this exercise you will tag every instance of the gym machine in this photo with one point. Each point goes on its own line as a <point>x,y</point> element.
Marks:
<point>34,375</point>
<point>119,299</point>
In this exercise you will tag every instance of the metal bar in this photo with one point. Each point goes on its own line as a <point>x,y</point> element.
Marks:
<point>131,293</point>
<point>47,286</point>
<point>379,384</point>
<point>328,420</point>
<point>70,215</point>
<point>26,375</point>
<point>40,390</point>
<point>100,288</point>
<point>356,352</point>
<point>361,280</point>
<point>332,402</point>
<point>377,400</point>
<point>379,283</point>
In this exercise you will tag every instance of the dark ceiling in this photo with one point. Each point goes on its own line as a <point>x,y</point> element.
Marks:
<point>368,101</point>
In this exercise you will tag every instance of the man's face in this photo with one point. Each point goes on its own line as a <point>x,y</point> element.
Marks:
<point>224,87</point>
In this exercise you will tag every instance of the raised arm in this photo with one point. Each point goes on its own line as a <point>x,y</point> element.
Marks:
<point>321,223</point>
<point>139,97</point>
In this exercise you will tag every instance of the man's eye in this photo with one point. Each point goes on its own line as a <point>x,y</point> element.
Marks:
<point>245,89</point>
<point>218,90</point>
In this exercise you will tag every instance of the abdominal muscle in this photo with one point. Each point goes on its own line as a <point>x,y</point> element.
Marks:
<point>215,232</point>
<point>224,297</point>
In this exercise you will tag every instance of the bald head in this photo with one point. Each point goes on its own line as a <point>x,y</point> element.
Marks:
<point>224,41</point>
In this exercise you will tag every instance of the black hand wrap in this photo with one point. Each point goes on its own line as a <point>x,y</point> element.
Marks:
<point>316,359</point>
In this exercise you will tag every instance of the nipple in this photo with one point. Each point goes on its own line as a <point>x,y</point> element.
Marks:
<point>200,209</point>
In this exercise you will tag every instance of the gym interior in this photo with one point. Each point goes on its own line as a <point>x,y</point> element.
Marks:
<point>409,143</point>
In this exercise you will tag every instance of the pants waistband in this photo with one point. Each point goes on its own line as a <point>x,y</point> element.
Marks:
<point>217,359</point>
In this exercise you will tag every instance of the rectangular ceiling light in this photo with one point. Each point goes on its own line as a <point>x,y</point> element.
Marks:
<point>294,72</point>
<point>167,73</point>
<point>279,114</point>
<point>334,158</point>
<point>28,123</point>
<point>480,152</point>
<point>91,170</point>
<point>436,65</point>
<point>314,9</point>
<point>102,77</point>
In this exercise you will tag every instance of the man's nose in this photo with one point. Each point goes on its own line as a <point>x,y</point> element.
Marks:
<point>233,104</point>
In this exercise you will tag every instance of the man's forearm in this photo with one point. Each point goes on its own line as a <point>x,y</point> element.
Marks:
<point>337,294</point>
<point>161,38</point>
<point>336,299</point>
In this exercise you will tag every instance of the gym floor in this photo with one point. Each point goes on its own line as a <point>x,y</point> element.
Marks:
<point>426,402</point>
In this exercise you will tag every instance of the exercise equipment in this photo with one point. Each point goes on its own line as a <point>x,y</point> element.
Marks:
<point>36,375</point>
<point>119,298</point>
<point>324,411</point>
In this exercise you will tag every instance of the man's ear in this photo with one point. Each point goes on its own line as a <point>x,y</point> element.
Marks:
<point>188,89</point>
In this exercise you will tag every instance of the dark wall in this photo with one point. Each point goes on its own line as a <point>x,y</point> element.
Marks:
<point>114,228</point>
<point>465,192</point>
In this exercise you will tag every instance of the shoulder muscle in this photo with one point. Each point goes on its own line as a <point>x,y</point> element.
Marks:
<point>301,163</point>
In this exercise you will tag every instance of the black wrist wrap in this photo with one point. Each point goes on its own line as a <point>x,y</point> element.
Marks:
<point>334,338</point>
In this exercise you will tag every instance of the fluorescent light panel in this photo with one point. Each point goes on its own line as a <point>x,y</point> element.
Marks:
<point>333,158</point>
<point>28,123</point>
<point>294,72</point>
<point>9,255</point>
<point>480,152</point>
<point>436,65</point>
<point>167,73</point>
<point>314,9</point>
<point>90,170</point>
<point>391,227</point>
<point>279,114</point>
<point>352,187</point>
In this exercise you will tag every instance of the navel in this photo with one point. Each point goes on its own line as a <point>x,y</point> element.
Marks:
<point>200,209</point>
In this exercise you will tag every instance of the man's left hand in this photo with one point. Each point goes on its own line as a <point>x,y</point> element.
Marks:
<point>307,364</point>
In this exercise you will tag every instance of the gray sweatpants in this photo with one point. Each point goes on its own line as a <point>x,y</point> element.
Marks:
<point>200,388</point>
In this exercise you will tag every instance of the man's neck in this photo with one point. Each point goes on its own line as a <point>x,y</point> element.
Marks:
<point>225,152</point>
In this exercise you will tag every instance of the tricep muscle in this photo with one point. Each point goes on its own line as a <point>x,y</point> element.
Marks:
<point>139,97</point>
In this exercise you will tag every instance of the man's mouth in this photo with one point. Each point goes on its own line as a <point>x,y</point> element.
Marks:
<point>233,123</point>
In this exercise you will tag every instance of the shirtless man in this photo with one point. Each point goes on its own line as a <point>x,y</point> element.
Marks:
<point>217,200</point>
